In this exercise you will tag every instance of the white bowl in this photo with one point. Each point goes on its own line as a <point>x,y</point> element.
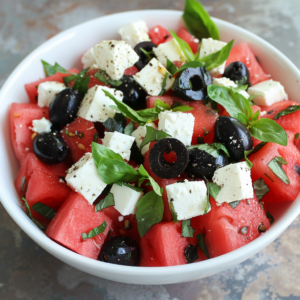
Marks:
<point>66,49</point>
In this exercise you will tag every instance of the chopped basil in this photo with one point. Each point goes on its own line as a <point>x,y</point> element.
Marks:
<point>270,217</point>
<point>276,166</point>
<point>150,209</point>
<point>129,128</point>
<point>172,69</point>
<point>164,83</point>
<point>297,136</point>
<point>214,189</point>
<point>153,135</point>
<point>200,140</point>
<point>207,207</point>
<point>44,210</point>
<point>149,54</point>
<point>117,123</point>
<point>190,253</point>
<point>145,176</point>
<point>105,78</point>
<point>260,188</point>
<point>173,212</point>
<point>201,244</point>
<point>136,155</point>
<point>94,232</point>
<point>289,110</point>
<point>135,188</point>
<point>81,81</point>
<point>234,204</point>
<point>182,108</point>
<point>51,70</point>
<point>191,64</point>
<point>187,230</point>
<point>106,202</point>
<point>212,149</point>
<point>249,163</point>
<point>95,137</point>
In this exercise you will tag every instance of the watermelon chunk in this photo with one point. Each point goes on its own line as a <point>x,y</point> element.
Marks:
<point>21,116</point>
<point>244,54</point>
<point>93,80</point>
<point>31,88</point>
<point>131,71</point>
<point>223,224</point>
<point>159,35</point>
<point>189,38</point>
<point>75,217</point>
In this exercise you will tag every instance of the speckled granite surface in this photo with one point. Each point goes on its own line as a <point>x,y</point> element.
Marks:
<point>28,272</point>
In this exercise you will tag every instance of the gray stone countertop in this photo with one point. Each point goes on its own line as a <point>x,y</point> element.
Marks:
<point>28,272</point>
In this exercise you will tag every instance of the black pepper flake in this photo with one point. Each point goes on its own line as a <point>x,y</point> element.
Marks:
<point>127,225</point>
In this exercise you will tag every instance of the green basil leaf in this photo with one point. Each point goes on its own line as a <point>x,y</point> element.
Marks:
<point>69,79</point>
<point>115,124</point>
<point>153,135</point>
<point>250,99</point>
<point>163,86</point>
<point>172,69</point>
<point>129,128</point>
<point>276,166</point>
<point>191,64</point>
<point>187,230</point>
<point>149,54</point>
<point>106,202</point>
<point>198,21</point>
<point>190,253</point>
<point>161,106</point>
<point>173,212</point>
<point>95,137</point>
<point>201,244</point>
<point>105,78</point>
<point>270,217</point>
<point>297,136</point>
<point>99,152</point>
<point>94,232</point>
<point>184,46</point>
<point>240,88</point>
<point>150,209</point>
<point>38,224</point>
<point>216,59</point>
<point>260,188</point>
<point>182,108</point>
<point>81,81</point>
<point>234,204</point>
<point>44,210</point>
<point>289,110</point>
<point>154,185</point>
<point>51,70</point>
<point>136,155</point>
<point>249,163</point>
<point>267,130</point>
<point>135,188</point>
<point>220,146</point>
<point>214,189</point>
<point>207,207</point>
<point>255,116</point>
<point>212,149</point>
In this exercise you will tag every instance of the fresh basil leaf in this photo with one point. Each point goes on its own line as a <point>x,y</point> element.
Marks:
<point>191,64</point>
<point>69,79</point>
<point>297,136</point>
<point>184,46</point>
<point>153,135</point>
<point>214,189</point>
<point>155,186</point>
<point>240,88</point>
<point>105,78</point>
<point>198,21</point>
<point>250,99</point>
<point>270,217</point>
<point>201,244</point>
<point>81,81</point>
<point>260,188</point>
<point>161,105</point>
<point>234,204</point>
<point>51,70</point>
<point>172,69</point>
<point>164,83</point>
<point>207,148</point>
<point>95,137</point>
<point>255,149</point>
<point>135,188</point>
<point>249,163</point>
<point>187,230</point>
<point>267,130</point>
<point>190,253</point>
<point>242,82</point>
<point>38,224</point>
<point>115,124</point>
<point>220,146</point>
<point>150,209</point>
<point>276,166</point>
<point>106,202</point>
<point>136,155</point>
<point>173,212</point>
<point>149,54</point>
<point>44,210</point>
<point>207,207</point>
<point>255,116</point>
<point>182,108</point>
<point>99,152</point>
<point>129,128</point>
<point>289,110</point>
<point>94,232</point>
<point>216,59</point>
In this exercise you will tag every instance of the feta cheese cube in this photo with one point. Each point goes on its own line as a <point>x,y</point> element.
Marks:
<point>189,198</point>
<point>223,81</point>
<point>151,78</point>
<point>140,134</point>
<point>134,33</point>
<point>126,199</point>
<point>119,143</point>
<point>114,57</point>
<point>42,125</point>
<point>83,178</point>
<point>168,50</point>
<point>269,92</point>
<point>235,182</point>
<point>47,91</point>
<point>88,58</point>
<point>178,124</point>
<point>210,46</point>
<point>95,105</point>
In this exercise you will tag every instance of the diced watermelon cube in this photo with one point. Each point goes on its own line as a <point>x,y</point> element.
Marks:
<point>159,35</point>
<point>93,80</point>
<point>77,216</point>
<point>131,71</point>
<point>148,256</point>
<point>189,38</point>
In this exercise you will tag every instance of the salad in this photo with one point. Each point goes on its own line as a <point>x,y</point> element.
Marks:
<point>165,149</point>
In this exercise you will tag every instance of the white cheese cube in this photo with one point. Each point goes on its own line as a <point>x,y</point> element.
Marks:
<point>83,178</point>
<point>178,124</point>
<point>42,125</point>
<point>88,58</point>
<point>151,78</point>
<point>47,91</point>
<point>134,33</point>
<point>189,198</point>
<point>126,199</point>
<point>114,57</point>
<point>210,46</point>
<point>223,81</point>
<point>235,182</point>
<point>169,50</point>
<point>140,134</point>
<point>95,105</point>
<point>119,143</point>
<point>269,92</point>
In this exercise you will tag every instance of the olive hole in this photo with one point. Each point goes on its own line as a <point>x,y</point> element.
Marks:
<point>196,83</point>
<point>170,157</point>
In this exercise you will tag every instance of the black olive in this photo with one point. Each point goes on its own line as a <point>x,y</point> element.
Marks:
<point>238,73</point>
<point>234,136</point>
<point>202,164</point>
<point>64,107</point>
<point>144,59</point>
<point>191,84</point>
<point>56,128</point>
<point>120,250</point>
<point>160,166</point>
<point>50,148</point>
<point>133,94</point>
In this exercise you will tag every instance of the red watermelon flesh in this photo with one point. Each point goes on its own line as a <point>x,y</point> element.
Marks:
<point>244,54</point>
<point>279,191</point>
<point>223,225</point>
<point>21,117</point>
<point>189,38</point>
<point>148,256</point>
<point>93,80</point>
<point>77,216</point>
<point>159,35</point>
<point>31,88</point>
<point>77,145</point>
<point>131,71</point>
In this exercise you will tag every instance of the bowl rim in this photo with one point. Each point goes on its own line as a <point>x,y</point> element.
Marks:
<point>65,254</point>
